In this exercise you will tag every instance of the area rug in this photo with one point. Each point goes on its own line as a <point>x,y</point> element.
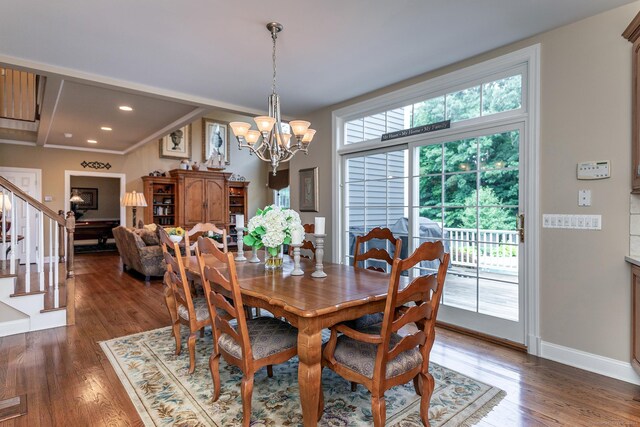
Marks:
<point>164,394</point>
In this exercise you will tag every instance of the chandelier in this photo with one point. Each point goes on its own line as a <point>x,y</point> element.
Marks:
<point>272,141</point>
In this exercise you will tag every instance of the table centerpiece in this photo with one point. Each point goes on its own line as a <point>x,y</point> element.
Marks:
<point>271,228</point>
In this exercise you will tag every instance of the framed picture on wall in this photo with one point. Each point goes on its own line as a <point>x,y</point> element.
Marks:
<point>309,190</point>
<point>176,145</point>
<point>215,141</point>
<point>89,198</point>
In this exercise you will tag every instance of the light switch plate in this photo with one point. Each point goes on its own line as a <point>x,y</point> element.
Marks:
<point>574,222</point>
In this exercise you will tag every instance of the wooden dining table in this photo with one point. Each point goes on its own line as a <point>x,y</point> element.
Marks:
<point>310,304</point>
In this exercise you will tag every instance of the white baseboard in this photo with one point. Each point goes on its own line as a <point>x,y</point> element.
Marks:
<point>589,362</point>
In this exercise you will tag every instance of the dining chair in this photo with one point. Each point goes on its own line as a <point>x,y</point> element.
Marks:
<point>190,311</point>
<point>380,358</point>
<point>378,255</point>
<point>252,343</point>
<point>307,250</point>
<point>191,236</point>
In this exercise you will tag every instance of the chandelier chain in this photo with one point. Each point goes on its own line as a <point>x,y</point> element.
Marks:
<point>274,35</point>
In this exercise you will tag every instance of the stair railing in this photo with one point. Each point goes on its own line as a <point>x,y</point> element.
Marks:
<point>59,236</point>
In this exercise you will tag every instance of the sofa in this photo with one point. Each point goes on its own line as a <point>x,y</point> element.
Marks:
<point>140,250</point>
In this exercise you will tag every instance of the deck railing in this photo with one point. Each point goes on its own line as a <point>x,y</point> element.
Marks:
<point>58,236</point>
<point>486,249</point>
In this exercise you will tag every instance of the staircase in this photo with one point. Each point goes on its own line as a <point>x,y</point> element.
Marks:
<point>38,293</point>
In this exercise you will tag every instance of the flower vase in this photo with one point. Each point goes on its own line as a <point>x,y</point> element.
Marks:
<point>272,262</point>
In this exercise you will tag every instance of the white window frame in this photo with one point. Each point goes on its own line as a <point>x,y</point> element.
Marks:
<point>529,58</point>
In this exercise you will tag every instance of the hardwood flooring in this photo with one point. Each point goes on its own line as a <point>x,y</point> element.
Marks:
<point>69,381</point>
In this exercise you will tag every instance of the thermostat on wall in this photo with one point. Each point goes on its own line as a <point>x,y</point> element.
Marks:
<point>594,170</point>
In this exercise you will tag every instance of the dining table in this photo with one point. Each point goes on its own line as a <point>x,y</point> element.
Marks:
<point>311,305</point>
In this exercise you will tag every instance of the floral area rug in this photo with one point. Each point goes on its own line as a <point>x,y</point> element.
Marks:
<point>164,393</point>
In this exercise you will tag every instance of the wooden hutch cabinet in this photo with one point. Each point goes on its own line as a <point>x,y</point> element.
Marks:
<point>187,197</point>
<point>203,197</point>
<point>160,194</point>
<point>238,204</point>
<point>632,33</point>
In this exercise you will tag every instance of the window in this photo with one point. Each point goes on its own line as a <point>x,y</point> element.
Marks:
<point>376,195</point>
<point>495,95</point>
<point>282,198</point>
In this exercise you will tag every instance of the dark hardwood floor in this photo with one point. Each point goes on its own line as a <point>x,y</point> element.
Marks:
<point>69,381</point>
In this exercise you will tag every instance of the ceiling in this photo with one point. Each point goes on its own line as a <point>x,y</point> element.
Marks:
<point>180,59</point>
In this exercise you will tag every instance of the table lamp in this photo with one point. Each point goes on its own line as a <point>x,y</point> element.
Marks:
<point>5,206</point>
<point>75,199</point>
<point>134,200</point>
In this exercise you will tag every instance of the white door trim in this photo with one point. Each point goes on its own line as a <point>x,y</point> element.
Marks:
<point>123,183</point>
<point>38,172</point>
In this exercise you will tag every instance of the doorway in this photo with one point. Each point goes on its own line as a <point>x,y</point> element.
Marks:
<point>28,180</point>
<point>92,183</point>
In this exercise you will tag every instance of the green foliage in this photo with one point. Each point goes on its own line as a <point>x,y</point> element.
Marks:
<point>490,218</point>
<point>493,159</point>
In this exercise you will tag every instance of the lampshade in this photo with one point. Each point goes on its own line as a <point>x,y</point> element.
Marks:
<point>75,197</point>
<point>5,203</point>
<point>133,199</point>
<point>299,127</point>
<point>265,123</point>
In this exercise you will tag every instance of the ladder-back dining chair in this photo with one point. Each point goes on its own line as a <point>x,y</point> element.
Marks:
<point>307,250</point>
<point>190,311</point>
<point>202,229</point>
<point>250,344</point>
<point>380,358</point>
<point>365,253</point>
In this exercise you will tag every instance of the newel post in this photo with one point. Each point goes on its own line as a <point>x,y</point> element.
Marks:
<point>70,225</point>
<point>61,238</point>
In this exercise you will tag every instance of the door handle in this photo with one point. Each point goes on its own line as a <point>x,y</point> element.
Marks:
<point>520,227</point>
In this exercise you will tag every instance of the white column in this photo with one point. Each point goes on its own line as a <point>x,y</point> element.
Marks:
<point>56,258</point>
<point>27,247</point>
<point>52,259</point>
<point>41,249</point>
<point>14,234</point>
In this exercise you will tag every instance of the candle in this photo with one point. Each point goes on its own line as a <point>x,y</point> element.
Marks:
<point>297,236</point>
<point>239,221</point>
<point>319,227</point>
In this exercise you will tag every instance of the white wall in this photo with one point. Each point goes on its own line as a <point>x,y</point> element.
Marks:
<point>585,115</point>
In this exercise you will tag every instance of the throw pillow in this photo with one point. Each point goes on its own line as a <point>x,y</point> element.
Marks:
<point>150,238</point>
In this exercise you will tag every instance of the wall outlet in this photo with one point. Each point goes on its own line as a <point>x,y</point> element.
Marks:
<point>574,222</point>
<point>584,197</point>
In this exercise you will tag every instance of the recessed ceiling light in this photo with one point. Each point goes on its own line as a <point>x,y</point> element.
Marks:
<point>107,128</point>
<point>68,135</point>
<point>92,141</point>
<point>125,108</point>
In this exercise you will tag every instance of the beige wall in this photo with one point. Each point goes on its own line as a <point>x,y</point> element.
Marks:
<point>585,115</point>
<point>145,159</point>
<point>108,196</point>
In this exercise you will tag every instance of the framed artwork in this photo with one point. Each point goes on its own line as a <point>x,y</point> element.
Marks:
<point>309,190</point>
<point>176,145</point>
<point>89,198</point>
<point>215,140</point>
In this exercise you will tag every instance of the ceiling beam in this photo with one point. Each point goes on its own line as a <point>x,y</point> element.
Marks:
<point>177,124</point>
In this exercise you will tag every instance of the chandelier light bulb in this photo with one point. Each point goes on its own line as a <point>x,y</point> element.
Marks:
<point>299,127</point>
<point>308,135</point>
<point>265,123</point>
<point>252,136</point>
<point>240,129</point>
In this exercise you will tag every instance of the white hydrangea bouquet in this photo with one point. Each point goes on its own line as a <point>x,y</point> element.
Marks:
<point>271,228</point>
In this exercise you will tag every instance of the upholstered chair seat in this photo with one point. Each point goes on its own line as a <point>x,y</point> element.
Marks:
<point>200,307</point>
<point>365,321</point>
<point>361,357</point>
<point>267,336</point>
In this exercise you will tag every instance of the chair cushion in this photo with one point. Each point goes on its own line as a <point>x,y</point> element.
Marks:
<point>365,321</point>
<point>361,357</point>
<point>267,336</point>
<point>201,309</point>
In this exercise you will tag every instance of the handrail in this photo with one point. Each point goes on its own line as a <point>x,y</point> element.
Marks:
<point>19,193</point>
